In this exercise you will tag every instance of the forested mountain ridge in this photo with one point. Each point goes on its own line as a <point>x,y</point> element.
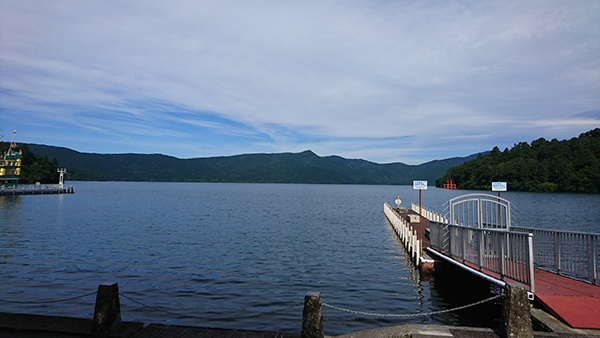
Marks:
<point>563,166</point>
<point>304,167</point>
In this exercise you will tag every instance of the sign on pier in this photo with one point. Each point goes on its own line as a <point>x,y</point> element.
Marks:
<point>498,186</point>
<point>420,185</point>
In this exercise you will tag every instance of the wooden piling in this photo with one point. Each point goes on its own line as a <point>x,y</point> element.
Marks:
<point>312,316</point>
<point>107,313</point>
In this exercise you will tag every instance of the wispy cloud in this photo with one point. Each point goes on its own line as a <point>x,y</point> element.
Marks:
<point>407,81</point>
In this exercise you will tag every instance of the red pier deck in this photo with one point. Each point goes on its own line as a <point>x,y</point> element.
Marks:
<point>574,302</point>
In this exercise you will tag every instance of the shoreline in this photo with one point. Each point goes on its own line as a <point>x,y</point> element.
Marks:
<point>16,325</point>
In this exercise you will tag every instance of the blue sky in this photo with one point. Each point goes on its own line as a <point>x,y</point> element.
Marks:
<point>386,81</point>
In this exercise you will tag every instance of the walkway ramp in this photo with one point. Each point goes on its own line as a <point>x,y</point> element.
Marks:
<point>575,302</point>
<point>560,268</point>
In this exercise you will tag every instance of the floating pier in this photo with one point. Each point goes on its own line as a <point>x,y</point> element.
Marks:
<point>36,189</point>
<point>560,270</point>
<point>405,223</point>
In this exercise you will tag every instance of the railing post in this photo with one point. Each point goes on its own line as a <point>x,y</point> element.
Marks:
<point>462,240</point>
<point>531,262</point>
<point>481,248</point>
<point>449,230</point>
<point>594,254</point>
<point>557,252</point>
<point>107,312</point>
<point>503,241</point>
<point>312,316</point>
<point>516,312</point>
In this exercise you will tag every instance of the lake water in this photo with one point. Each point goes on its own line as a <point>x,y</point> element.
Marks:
<point>233,250</point>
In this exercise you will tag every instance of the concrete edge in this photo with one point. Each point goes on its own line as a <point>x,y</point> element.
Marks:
<point>549,323</point>
<point>21,322</point>
<point>402,330</point>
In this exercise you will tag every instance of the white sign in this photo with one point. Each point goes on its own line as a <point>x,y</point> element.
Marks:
<point>420,185</point>
<point>398,202</point>
<point>498,186</point>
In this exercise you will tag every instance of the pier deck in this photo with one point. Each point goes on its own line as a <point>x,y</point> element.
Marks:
<point>36,190</point>
<point>575,302</point>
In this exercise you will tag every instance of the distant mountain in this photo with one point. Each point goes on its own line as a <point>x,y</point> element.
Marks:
<point>304,167</point>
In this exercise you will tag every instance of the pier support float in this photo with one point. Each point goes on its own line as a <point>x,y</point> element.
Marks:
<point>312,316</point>
<point>516,313</point>
<point>107,313</point>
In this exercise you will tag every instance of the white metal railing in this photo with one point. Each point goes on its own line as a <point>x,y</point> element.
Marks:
<point>407,235</point>
<point>430,215</point>
<point>480,211</point>
<point>567,252</point>
<point>506,253</point>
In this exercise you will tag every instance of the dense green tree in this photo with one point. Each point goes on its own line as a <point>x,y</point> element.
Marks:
<point>567,166</point>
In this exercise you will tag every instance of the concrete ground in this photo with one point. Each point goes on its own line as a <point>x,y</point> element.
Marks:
<point>25,325</point>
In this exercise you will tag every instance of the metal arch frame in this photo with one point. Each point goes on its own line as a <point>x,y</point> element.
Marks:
<point>479,197</point>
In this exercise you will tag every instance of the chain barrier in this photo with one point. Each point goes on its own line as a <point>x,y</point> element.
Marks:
<point>412,314</point>
<point>262,313</point>
<point>210,318</point>
<point>48,301</point>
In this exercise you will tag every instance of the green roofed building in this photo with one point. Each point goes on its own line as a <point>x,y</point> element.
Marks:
<point>10,167</point>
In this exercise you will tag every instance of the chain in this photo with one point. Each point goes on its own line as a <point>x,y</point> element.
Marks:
<point>48,301</point>
<point>210,318</point>
<point>267,312</point>
<point>412,314</point>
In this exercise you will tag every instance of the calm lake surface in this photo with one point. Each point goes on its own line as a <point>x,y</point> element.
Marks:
<point>234,250</point>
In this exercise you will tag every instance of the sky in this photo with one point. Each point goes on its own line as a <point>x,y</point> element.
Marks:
<point>385,81</point>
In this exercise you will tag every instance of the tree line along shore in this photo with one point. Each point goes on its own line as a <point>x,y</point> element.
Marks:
<point>550,166</point>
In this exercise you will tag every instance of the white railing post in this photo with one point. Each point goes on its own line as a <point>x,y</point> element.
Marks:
<point>481,249</point>
<point>530,249</point>
<point>594,250</point>
<point>503,241</point>
<point>557,248</point>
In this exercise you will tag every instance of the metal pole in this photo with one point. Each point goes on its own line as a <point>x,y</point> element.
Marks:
<point>420,221</point>
<point>499,212</point>
<point>531,263</point>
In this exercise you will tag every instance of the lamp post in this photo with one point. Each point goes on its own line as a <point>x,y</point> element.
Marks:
<point>61,180</point>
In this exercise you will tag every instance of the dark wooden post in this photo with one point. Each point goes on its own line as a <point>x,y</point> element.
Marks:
<point>312,316</point>
<point>516,313</point>
<point>107,313</point>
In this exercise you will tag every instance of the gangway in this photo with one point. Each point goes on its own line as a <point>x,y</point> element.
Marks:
<point>560,268</point>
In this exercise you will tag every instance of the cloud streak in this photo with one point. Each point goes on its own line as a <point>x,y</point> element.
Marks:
<point>406,81</point>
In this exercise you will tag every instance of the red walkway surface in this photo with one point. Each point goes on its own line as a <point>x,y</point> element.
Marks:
<point>574,302</point>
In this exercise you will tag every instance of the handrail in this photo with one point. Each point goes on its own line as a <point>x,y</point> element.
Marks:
<point>408,236</point>
<point>572,253</point>
<point>506,253</point>
<point>432,216</point>
<point>479,211</point>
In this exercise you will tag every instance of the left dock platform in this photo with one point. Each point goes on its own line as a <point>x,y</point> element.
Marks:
<point>35,189</point>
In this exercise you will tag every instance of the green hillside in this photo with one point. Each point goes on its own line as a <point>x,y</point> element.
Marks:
<point>304,167</point>
<point>565,166</point>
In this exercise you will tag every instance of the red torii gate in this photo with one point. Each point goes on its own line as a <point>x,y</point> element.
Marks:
<point>450,184</point>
